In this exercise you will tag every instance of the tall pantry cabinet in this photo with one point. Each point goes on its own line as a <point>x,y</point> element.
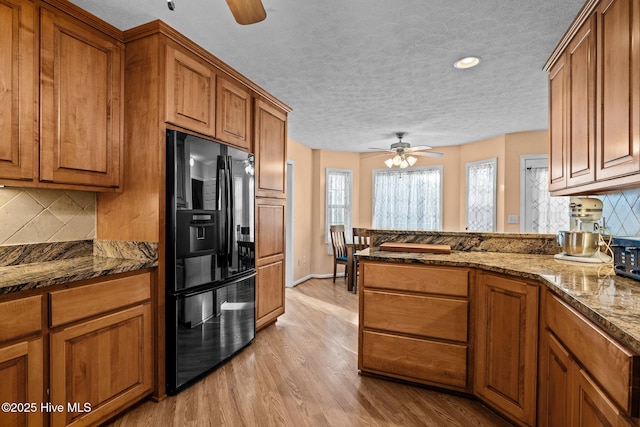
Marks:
<point>270,139</point>
<point>172,83</point>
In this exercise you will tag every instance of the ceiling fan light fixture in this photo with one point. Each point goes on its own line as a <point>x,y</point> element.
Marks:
<point>467,62</point>
<point>411,160</point>
<point>397,160</point>
<point>389,162</point>
<point>404,164</point>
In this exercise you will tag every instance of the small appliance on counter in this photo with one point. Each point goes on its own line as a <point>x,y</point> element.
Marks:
<point>625,256</point>
<point>584,241</point>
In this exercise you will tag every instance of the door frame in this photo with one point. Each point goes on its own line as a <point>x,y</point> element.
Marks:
<point>289,263</point>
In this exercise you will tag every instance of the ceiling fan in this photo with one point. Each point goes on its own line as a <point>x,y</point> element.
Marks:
<point>404,154</point>
<point>245,12</point>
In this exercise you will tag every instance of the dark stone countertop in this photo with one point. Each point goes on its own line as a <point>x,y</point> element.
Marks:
<point>25,267</point>
<point>610,301</point>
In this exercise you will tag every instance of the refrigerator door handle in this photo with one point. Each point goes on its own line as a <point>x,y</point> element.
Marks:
<point>231,206</point>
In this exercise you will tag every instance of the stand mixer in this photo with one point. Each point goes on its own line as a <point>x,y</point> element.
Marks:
<point>582,243</point>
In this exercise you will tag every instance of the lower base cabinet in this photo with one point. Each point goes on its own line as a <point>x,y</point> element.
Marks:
<point>21,383</point>
<point>101,349</point>
<point>586,378</point>
<point>99,366</point>
<point>507,346</point>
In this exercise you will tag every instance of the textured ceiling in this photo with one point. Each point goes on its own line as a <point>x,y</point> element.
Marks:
<point>356,71</point>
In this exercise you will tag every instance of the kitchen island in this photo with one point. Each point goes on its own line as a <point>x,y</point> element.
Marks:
<point>489,316</point>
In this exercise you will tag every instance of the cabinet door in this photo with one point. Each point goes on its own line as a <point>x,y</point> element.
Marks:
<point>106,363</point>
<point>581,114</point>
<point>591,407</point>
<point>556,369</point>
<point>557,125</point>
<point>191,92</point>
<point>618,143</point>
<point>270,226</point>
<point>21,368</point>
<point>269,293</point>
<point>17,95</point>
<point>233,114</point>
<point>507,336</point>
<point>81,72</point>
<point>271,150</point>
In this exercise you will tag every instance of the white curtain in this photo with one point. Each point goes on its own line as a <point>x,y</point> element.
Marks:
<point>549,214</point>
<point>408,199</point>
<point>481,199</point>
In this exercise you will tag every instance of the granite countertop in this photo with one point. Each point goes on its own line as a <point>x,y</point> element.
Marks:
<point>25,267</point>
<point>611,301</point>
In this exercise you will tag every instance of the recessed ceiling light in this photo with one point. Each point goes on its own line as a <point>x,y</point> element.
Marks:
<point>467,62</point>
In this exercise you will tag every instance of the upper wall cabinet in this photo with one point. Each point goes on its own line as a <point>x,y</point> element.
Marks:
<point>233,118</point>
<point>191,85</point>
<point>618,150</point>
<point>271,150</point>
<point>17,90</point>
<point>594,101</point>
<point>81,90</point>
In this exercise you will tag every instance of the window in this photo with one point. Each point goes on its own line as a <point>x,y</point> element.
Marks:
<point>408,199</point>
<point>481,195</point>
<point>540,212</point>
<point>338,200</point>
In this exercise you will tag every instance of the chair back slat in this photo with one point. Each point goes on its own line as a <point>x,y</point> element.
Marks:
<point>338,241</point>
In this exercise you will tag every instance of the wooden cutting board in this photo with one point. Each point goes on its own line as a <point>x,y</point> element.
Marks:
<point>415,247</point>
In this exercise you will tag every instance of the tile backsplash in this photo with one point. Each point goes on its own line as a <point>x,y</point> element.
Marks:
<point>29,215</point>
<point>621,211</point>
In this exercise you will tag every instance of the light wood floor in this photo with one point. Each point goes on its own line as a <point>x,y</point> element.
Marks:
<point>302,371</point>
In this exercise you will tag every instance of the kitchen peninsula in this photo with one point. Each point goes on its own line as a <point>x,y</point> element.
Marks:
<point>535,338</point>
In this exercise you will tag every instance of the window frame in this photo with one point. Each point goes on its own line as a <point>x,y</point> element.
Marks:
<point>348,214</point>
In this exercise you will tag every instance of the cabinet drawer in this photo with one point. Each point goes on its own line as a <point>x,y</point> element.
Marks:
<point>78,303</point>
<point>436,280</point>
<point>607,362</point>
<point>20,317</point>
<point>417,315</point>
<point>414,359</point>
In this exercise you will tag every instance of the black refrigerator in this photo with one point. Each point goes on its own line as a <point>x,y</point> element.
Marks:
<point>210,256</point>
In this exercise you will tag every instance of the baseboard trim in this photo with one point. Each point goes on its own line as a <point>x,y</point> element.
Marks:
<point>316,276</point>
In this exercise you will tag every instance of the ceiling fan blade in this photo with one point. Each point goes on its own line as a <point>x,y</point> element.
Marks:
<point>419,148</point>
<point>375,155</point>
<point>426,154</point>
<point>247,12</point>
<point>382,149</point>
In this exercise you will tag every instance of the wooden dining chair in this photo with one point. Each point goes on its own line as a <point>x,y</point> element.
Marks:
<point>360,239</point>
<point>339,248</point>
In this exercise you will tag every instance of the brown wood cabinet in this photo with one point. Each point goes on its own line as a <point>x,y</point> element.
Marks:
<point>594,101</point>
<point>270,249</point>
<point>414,323</point>
<point>586,378</point>
<point>271,150</point>
<point>21,361</point>
<point>191,91</point>
<point>81,88</point>
<point>507,345</point>
<point>568,395</point>
<point>233,118</point>
<point>618,149</point>
<point>18,139</point>
<point>101,351</point>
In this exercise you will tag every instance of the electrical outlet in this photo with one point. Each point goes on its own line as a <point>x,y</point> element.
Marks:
<point>513,219</point>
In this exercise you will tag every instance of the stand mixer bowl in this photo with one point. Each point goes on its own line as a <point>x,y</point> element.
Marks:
<point>578,243</point>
